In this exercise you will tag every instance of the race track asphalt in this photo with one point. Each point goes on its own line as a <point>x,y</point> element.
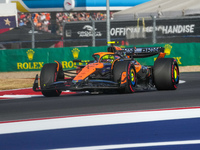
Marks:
<point>187,95</point>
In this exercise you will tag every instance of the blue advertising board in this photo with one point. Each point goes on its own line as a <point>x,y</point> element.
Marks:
<point>73,5</point>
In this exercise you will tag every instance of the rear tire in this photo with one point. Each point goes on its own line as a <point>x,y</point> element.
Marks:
<point>166,74</point>
<point>125,66</point>
<point>49,75</point>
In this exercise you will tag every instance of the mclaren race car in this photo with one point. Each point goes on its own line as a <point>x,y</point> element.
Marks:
<point>114,70</point>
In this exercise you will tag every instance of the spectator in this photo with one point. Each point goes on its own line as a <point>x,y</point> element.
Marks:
<point>42,21</point>
<point>21,23</point>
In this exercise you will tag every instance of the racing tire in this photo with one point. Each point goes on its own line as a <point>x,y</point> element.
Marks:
<point>118,69</point>
<point>49,75</point>
<point>166,74</point>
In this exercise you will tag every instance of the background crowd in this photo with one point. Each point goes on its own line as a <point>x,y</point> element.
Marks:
<point>42,21</point>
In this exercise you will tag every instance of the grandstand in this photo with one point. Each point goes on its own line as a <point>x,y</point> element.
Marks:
<point>50,15</point>
<point>161,9</point>
<point>177,21</point>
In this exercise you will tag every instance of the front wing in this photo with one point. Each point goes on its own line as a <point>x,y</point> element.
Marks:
<point>67,84</point>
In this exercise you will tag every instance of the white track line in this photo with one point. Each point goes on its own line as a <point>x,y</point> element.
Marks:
<point>181,81</point>
<point>120,146</point>
<point>20,96</point>
<point>97,120</point>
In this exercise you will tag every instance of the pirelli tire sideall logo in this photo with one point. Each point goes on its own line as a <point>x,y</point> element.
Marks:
<point>168,49</point>
<point>30,54</point>
<point>75,53</point>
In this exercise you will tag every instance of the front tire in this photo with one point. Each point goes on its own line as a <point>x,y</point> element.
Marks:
<point>49,75</point>
<point>125,66</point>
<point>166,74</point>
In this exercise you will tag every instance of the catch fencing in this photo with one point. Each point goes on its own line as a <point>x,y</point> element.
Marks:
<point>140,31</point>
<point>85,33</point>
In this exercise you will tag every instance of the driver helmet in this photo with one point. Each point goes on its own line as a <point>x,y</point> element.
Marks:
<point>108,58</point>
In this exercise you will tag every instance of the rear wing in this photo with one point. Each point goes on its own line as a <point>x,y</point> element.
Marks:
<point>142,52</point>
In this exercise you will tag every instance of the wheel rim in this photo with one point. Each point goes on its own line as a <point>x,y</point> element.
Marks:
<point>176,75</point>
<point>132,77</point>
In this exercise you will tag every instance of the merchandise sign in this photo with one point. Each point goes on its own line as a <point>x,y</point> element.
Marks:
<point>134,29</point>
<point>134,32</point>
<point>88,32</point>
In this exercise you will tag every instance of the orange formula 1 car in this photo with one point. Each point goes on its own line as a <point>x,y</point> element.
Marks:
<point>115,70</point>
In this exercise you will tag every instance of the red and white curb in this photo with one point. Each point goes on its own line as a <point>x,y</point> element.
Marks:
<point>24,93</point>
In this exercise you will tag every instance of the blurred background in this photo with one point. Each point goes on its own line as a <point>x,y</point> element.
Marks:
<point>69,23</point>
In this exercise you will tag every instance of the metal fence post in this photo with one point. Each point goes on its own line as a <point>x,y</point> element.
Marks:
<point>108,20</point>
<point>93,32</point>
<point>33,30</point>
<point>154,30</point>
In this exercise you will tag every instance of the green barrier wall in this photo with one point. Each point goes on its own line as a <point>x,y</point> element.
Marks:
<point>33,59</point>
<point>186,54</point>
